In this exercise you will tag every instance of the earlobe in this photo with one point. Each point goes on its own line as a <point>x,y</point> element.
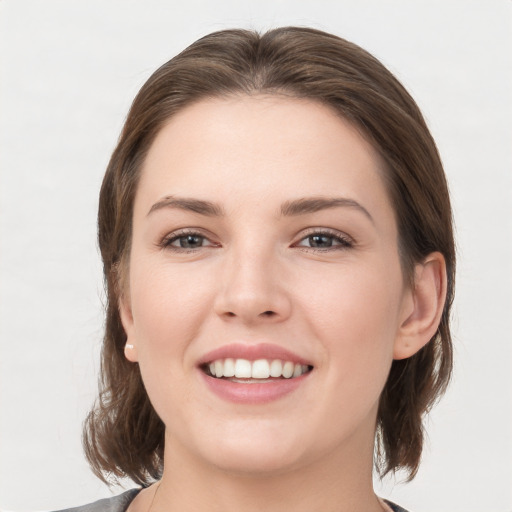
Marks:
<point>125,312</point>
<point>130,352</point>
<point>427,298</point>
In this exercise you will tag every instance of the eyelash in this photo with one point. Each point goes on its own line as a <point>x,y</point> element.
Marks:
<point>167,241</point>
<point>344,242</point>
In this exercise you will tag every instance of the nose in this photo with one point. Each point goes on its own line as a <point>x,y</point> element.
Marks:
<point>252,289</point>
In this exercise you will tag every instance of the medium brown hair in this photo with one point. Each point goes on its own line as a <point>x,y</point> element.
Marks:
<point>123,436</point>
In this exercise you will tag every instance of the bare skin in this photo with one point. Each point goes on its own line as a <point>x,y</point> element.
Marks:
<point>249,264</point>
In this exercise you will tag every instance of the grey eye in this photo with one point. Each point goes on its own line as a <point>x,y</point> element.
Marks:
<point>325,241</point>
<point>189,241</point>
<point>321,241</point>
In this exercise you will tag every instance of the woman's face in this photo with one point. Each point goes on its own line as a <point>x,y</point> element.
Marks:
<point>264,243</point>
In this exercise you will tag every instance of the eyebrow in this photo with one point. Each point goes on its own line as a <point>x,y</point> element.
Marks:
<point>315,204</point>
<point>288,208</point>
<point>188,204</point>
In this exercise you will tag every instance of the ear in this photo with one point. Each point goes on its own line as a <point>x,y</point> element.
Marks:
<point>125,312</point>
<point>423,307</point>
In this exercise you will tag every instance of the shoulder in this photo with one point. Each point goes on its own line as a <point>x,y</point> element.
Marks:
<point>394,507</point>
<point>115,504</point>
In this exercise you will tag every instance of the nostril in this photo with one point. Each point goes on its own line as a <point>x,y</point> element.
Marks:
<point>268,313</point>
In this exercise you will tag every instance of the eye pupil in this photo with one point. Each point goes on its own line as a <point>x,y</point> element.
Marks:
<point>190,241</point>
<point>320,241</point>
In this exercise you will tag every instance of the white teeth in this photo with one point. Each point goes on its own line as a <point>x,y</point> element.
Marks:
<point>276,368</point>
<point>288,368</point>
<point>243,369</point>
<point>229,367</point>
<point>219,368</point>
<point>259,369</point>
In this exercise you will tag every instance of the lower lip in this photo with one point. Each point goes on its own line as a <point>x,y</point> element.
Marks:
<point>253,392</point>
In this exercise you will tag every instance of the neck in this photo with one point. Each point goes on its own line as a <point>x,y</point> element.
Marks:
<point>337,482</point>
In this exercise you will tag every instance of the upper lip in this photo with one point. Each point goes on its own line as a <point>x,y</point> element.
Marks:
<point>252,353</point>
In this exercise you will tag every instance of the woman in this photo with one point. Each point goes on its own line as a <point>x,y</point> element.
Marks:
<point>276,234</point>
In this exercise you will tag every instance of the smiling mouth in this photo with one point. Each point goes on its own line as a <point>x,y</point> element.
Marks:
<point>260,370</point>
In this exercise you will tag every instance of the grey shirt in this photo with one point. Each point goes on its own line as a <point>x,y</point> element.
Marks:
<point>122,502</point>
<point>115,504</point>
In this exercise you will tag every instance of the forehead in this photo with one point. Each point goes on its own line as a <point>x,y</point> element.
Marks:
<point>258,149</point>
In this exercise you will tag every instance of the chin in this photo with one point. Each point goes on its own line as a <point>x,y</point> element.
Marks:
<point>257,454</point>
<point>256,462</point>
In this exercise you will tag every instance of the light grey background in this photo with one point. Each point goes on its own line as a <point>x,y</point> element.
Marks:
<point>69,70</point>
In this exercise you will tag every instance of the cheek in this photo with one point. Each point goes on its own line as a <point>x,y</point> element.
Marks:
<point>358,331</point>
<point>356,316</point>
<point>167,308</point>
